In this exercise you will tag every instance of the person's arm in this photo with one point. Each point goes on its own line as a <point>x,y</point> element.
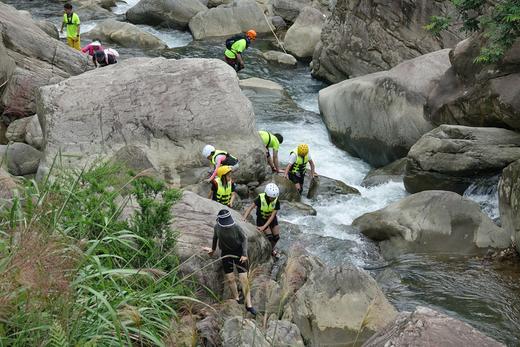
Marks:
<point>313,168</point>
<point>214,244</point>
<point>78,31</point>
<point>269,220</point>
<point>85,49</point>
<point>232,200</point>
<point>275,161</point>
<point>217,165</point>
<point>292,160</point>
<point>210,195</point>
<point>249,210</point>
<point>240,61</point>
<point>243,241</point>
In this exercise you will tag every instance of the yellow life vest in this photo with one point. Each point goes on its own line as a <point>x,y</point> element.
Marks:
<point>300,165</point>
<point>223,193</point>
<point>266,209</point>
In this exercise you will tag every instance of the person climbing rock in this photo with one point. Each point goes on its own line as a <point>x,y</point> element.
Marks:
<point>235,46</point>
<point>72,22</point>
<point>297,167</point>
<point>92,47</point>
<point>272,143</point>
<point>218,158</point>
<point>267,206</point>
<point>105,57</point>
<point>223,187</point>
<point>233,246</point>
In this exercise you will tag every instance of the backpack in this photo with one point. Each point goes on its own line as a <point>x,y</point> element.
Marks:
<point>233,39</point>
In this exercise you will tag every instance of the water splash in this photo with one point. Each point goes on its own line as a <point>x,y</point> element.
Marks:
<point>485,193</point>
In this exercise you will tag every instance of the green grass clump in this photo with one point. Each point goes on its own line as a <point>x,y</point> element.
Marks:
<point>74,272</point>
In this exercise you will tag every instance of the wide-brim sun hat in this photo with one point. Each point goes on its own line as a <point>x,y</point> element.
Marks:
<point>96,43</point>
<point>224,219</point>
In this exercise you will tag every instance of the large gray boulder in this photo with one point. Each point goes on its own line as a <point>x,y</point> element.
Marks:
<point>291,9</point>
<point>282,333</point>
<point>429,328</point>
<point>168,108</point>
<point>509,201</point>
<point>369,36</point>
<point>475,94</point>
<point>240,332</point>
<point>380,116</point>
<point>194,219</point>
<point>303,36</point>
<point>30,58</point>
<point>432,222</point>
<point>451,157</point>
<point>330,305</point>
<point>33,133</point>
<point>125,34</point>
<point>392,172</point>
<point>226,20</point>
<point>17,130</point>
<point>280,58</point>
<point>169,13</point>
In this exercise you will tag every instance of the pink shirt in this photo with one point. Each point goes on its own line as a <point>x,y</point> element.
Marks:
<point>90,49</point>
<point>218,161</point>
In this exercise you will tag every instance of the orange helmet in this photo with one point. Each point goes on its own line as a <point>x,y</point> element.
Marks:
<point>251,34</point>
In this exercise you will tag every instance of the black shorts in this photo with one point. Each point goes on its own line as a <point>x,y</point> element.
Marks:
<point>297,179</point>
<point>233,258</point>
<point>260,222</point>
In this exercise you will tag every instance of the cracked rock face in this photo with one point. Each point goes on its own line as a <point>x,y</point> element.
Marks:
<point>167,108</point>
<point>432,222</point>
<point>429,328</point>
<point>362,37</point>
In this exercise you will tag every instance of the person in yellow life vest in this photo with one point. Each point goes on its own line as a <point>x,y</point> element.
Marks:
<point>218,158</point>
<point>235,46</point>
<point>267,206</point>
<point>223,187</point>
<point>272,143</point>
<point>71,21</point>
<point>297,167</point>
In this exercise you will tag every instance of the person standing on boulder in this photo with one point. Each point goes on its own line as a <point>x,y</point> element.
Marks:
<point>272,143</point>
<point>267,206</point>
<point>235,46</point>
<point>297,167</point>
<point>71,20</point>
<point>223,187</point>
<point>218,158</point>
<point>233,245</point>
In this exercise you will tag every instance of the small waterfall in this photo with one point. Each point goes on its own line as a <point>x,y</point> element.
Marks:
<point>485,192</point>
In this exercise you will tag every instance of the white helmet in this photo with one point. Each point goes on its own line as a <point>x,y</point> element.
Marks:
<point>207,150</point>
<point>271,190</point>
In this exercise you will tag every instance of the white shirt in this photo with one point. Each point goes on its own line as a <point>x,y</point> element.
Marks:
<point>293,156</point>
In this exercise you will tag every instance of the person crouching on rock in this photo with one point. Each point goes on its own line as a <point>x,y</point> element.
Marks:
<point>92,48</point>
<point>267,206</point>
<point>233,245</point>
<point>235,46</point>
<point>105,57</point>
<point>272,143</point>
<point>297,167</point>
<point>223,187</point>
<point>218,158</point>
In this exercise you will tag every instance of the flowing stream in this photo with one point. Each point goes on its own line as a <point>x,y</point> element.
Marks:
<point>484,294</point>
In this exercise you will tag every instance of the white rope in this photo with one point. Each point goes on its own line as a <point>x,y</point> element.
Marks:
<point>276,37</point>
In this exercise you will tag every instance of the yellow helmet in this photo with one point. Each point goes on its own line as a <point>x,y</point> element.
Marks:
<point>223,170</point>
<point>303,149</point>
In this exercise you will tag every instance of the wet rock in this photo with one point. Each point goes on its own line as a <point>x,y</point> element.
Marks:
<point>348,298</point>
<point>16,131</point>
<point>20,158</point>
<point>241,332</point>
<point>451,157</point>
<point>288,191</point>
<point>227,20</point>
<point>278,23</point>
<point>326,186</point>
<point>432,222</point>
<point>169,109</point>
<point>426,327</point>
<point>262,86</point>
<point>168,13</point>
<point>392,172</point>
<point>194,220</point>
<point>283,333</point>
<point>509,201</point>
<point>369,36</point>
<point>303,36</point>
<point>49,28</point>
<point>297,208</point>
<point>379,117</point>
<point>280,58</point>
<point>475,94</point>
<point>125,34</point>
<point>33,133</point>
<point>29,58</point>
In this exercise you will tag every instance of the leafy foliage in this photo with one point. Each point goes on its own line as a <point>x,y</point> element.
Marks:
<point>499,22</point>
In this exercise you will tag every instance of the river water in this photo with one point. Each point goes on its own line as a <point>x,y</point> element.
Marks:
<point>484,294</point>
